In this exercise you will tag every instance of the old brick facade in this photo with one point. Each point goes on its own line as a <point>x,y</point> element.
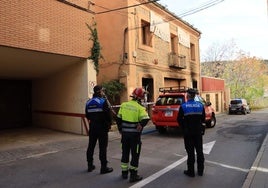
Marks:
<point>137,55</point>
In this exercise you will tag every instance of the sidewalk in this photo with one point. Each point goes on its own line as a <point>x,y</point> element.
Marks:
<point>23,143</point>
<point>258,174</point>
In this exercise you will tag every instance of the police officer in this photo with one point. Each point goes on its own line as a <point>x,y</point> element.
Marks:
<point>191,116</point>
<point>131,119</point>
<point>100,120</point>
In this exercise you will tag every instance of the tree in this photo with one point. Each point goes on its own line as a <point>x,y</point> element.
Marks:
<point>216,56</point>
<point>113,89</point>
<point>246,77</point>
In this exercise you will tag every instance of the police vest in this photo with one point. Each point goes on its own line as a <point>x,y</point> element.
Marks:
<point>95,105</point>
<point>192,107</point>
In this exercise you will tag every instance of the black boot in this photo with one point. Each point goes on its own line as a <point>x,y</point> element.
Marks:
<point>134,176</point>
<point>105,170</point>
<point>200,173</point>
<point>125,174</point>
<point>90,167</point>
<point>189,173</point>
<point>200,169</point>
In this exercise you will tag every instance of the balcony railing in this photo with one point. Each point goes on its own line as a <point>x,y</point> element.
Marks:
<point>177,61</point>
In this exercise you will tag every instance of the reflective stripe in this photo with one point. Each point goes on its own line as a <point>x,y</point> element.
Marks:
<point>130,130</point>
<point>133,168</point>
<point>124,166</point>
<point>137,149</point>
<point>193,113</point>
<point>95,110</point>
<point>128,125</point>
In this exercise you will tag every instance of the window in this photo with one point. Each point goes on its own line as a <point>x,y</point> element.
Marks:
<point>192,48</point>
<point>171,100</point>
<point>194,83</point>
<point>217,102</point>
<point>174,44</point>
<point>145,33</point>
<point>207,98</point>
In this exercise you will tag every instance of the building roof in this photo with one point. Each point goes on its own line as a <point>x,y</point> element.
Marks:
<point>175,16</point>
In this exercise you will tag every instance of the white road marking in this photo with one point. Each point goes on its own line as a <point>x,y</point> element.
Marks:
<point>40,154</point>
<point>260,169</point>
<point>159,173</point>
<point>206,147</point>
<point>228,166</point>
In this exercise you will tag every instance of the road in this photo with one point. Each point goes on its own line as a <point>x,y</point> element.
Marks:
<point>231,148</point>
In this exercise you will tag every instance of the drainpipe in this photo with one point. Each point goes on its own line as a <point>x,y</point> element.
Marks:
<point>125,55</point>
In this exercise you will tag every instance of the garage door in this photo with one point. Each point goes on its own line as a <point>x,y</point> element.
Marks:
<point>15,103</point>
<point>171,82</point>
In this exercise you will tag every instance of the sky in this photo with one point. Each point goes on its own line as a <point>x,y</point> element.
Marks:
<point>243,21</point>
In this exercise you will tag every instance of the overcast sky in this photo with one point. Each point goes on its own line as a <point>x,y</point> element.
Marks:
<point>244,21</point>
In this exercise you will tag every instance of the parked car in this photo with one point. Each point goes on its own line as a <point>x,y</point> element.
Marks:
<point>166,108</point>
<point>239,106</point>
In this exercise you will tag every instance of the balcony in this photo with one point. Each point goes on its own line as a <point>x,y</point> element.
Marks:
<point>177,61</point>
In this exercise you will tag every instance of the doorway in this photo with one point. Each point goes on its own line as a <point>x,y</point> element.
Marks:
<point>15,103</point>
<point>148,85</point>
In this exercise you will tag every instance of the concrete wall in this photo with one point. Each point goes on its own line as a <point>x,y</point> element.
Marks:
<point>54,27</point>
<point>218,106</point>
<point>59,101</point>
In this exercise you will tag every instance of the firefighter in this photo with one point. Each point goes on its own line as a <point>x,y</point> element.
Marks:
<point>99,115</point>
<point>132,117</point>
<point>191,117</point>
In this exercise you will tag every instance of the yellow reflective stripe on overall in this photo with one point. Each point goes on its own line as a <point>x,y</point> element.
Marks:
<point>133,168</point>
<point>124,166</point>
<point>138,148</point>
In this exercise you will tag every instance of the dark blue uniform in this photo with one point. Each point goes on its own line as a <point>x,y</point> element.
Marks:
<point>190,118</point>
<point>98,113</point>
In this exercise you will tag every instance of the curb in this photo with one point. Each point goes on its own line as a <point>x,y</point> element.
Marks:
<point>255,165</point>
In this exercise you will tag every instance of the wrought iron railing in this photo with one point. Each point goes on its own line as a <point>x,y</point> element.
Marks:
<point>177,61</point>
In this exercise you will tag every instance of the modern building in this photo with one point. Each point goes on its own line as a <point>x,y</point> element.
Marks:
<point>45,75</point>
